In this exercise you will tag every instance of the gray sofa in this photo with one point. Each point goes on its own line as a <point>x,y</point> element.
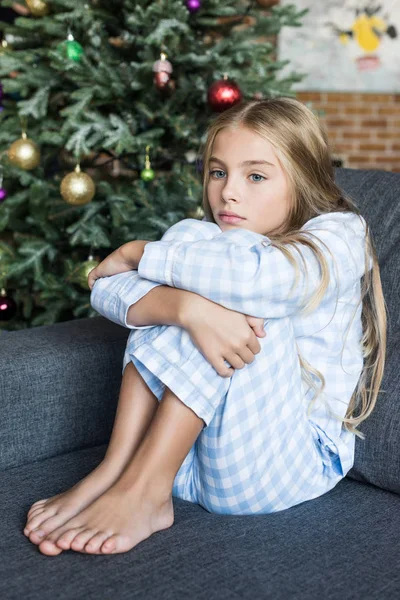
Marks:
<point>59,387</point>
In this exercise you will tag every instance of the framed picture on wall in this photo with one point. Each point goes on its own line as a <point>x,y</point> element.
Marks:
<point>344,45</point>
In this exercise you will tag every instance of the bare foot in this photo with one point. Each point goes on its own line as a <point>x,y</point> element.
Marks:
<point>48,514</point>
<point>114,523</point>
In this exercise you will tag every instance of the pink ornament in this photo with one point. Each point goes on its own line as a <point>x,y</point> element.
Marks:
<point>193,5</point>
<point>3,194</point>
<point>8,307</point>
<point>162,65</point>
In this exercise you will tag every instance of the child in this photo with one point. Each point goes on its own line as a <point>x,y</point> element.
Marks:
<point>266,437</point>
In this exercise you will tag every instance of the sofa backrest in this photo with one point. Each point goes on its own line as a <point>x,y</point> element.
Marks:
<point>377,194</point>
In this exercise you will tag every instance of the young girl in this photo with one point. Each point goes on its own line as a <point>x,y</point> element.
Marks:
<point>219,417</point>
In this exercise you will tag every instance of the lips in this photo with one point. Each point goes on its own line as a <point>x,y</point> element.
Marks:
<point>230,214</point>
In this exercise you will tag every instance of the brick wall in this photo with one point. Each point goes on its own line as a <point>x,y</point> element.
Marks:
<point>364,129</point>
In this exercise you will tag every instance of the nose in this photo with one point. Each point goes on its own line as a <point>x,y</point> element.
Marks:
<point>230,191</point>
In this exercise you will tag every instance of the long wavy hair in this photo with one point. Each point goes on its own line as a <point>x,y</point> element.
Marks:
<point>301,144</point>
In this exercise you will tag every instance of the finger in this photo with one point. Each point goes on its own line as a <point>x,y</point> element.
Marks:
<point>91,279</point>
<point>247,355</point>
<point>223,370</point>
<point>254,344</point>
<point>238,361</point>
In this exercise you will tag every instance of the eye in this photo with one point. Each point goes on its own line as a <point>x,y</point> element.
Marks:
<point>215,171</point>
<point>220,171</point>
<point>257,175</point>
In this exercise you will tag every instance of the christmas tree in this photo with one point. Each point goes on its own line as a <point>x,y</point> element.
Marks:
<point>104,108</point>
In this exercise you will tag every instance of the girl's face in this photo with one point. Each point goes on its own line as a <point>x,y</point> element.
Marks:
<point>257,192</point>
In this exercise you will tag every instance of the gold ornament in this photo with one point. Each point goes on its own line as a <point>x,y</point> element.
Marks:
<point>84,271</point>
<point>4,47</point>
<point>196,214</point>
<point>24,153</point>
<point>77,188</point>
<point>38,8</point>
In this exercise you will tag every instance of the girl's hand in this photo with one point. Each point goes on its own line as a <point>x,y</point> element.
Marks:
<point>113,263</point>
<point>125,258</point>
<point>220,333</point>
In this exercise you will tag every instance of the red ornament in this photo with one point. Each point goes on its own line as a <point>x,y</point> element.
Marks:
<point>223,94</point>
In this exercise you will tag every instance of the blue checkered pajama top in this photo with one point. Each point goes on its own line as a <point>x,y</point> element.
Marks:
<point>241,270</point>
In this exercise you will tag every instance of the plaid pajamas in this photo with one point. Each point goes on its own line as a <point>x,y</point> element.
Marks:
<point>258,451</point>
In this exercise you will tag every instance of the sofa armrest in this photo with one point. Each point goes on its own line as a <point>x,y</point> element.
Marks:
<point>59,388</point>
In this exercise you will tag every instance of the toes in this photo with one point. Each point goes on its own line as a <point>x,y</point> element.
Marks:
<point>38,519</point>
<point>109,545</point>
<point>61,532</point>
<point>64,541</point>
<point>52,529</point>
<point>34,511</point>
<point>38,504</point>
<point>46,527</point>
<point>28,525</point>
<point>49,548</point>
<point>94,544</point>
<point>37,536</point>
<point>81,538</point>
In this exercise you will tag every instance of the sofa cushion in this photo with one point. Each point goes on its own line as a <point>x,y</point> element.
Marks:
<point>59,388</point>
<point>338,546</point>
<point>376,193</point>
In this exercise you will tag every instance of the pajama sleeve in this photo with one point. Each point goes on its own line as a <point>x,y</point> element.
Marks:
<point>241,270</point>
<point>112,296</point>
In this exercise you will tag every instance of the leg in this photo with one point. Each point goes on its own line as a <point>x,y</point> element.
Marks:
<point>167,442</point>
<point>140,502</point>
<point>136,408</point>
<point>261,453</point>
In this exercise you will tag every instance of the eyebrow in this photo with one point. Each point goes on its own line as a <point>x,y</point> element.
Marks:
<point>244,163</point>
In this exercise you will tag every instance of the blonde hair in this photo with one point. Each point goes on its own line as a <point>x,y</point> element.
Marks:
<point>301,144</point>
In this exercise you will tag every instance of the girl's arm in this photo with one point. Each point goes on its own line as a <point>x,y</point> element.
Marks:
<point>115,294</point>
<point>124,259</point>
<point>112,297</point>
<point>242,271</point>
<point>132,252</point>
<point>137,303</point>
<point>163,305</point>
